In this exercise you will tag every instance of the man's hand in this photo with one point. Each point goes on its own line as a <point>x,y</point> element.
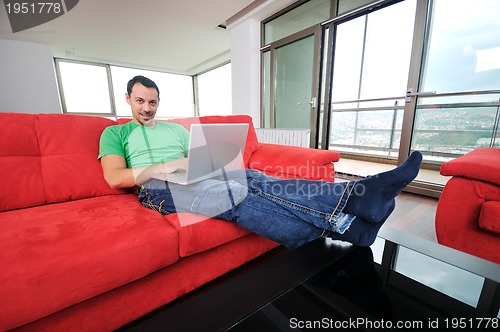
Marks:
<point>117,174</point>
<point>174,165</point>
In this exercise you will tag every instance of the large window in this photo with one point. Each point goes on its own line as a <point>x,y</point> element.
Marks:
<point>214,91</point>
<point>84,88</point>
<point>176,92</point>
<point>370,76</point>
<point>460,79</point>
<point>99,89</point>
<point>88,88</point>
<point>395,76</point>
<point>417,75</point>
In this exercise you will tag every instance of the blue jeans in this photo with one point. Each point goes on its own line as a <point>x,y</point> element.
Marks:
<point>291,212</point>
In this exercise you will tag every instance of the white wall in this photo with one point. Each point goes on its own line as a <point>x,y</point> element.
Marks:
<point>245,69</point>
<point>244,30</point>
<point>28,80</point>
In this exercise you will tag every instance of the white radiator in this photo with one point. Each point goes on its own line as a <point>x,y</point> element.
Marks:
<point>295,137</point>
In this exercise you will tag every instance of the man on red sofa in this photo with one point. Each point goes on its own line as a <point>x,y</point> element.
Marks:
<point>291,212</point>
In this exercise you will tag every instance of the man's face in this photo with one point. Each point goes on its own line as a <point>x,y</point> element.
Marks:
<point>144,102</point>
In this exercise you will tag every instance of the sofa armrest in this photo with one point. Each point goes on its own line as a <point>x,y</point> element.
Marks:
<point>461,220</point>
<point>294,162</point>
<point>482,164</point>
<point>489,218</point>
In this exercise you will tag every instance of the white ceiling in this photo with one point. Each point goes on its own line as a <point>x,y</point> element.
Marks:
<point>178,36</point>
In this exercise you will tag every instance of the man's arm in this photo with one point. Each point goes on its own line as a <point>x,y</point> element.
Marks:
<point>117,175</point>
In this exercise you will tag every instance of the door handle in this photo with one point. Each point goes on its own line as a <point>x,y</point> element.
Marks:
<point>313,102</point>
<point>410,93</point>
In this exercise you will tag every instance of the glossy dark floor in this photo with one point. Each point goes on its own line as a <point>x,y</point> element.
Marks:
<point>351,295</point>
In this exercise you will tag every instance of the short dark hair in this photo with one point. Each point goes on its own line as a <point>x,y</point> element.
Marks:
<point>144,81</point>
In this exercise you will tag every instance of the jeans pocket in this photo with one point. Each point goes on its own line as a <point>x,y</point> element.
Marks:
<point>155,201</point>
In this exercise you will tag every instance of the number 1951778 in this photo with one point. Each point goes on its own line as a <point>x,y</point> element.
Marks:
<point>33,8</point>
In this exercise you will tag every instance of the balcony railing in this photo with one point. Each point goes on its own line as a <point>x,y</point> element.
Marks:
<point>446,125</point>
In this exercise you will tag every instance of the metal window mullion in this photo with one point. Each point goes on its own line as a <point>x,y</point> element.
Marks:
<point>315,112</point>
<point>466,93</point>
<point>196,95</point>
<point>111,92</point>
<point>272,87</point>
<point>361,77</point>
<point>460,105</point>
<point>367,109</point>
<point>367,100</point>
<point>60,85</point>
<point>494,132</point>
<point>355,12</point>
<point>422,106</point>
<point>327,109</point>
<point>433,105</point>
<point>416,61</point>
<point>393,126</point>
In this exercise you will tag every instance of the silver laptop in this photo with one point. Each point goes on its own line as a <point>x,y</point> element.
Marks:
<point>214,148</point>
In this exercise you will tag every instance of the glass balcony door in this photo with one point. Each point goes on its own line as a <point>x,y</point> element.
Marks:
<point>371,61</point>
<point>414,75</point>
<point>291,75</point>
<point>461,69</point>
<point>293,84</point>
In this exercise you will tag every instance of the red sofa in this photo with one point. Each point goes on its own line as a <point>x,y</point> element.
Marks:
<point>468,211</point>
<point>76,254</point>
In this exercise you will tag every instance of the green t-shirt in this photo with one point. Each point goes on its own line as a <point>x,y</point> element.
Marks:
<point>144,146</point>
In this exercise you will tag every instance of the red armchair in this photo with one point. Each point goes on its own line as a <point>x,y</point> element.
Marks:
<point>468,211</point>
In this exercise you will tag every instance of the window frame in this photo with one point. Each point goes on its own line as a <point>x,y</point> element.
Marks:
<point>62,97</point>
<point>111,93</point>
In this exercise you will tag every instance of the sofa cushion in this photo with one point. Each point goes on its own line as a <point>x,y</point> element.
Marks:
<point>20,164</point>
<point>199,233</point>
<point>56,255</point>
<point>111,311</point>
<point>489,218</point>
<point>47,158</point>
<point>69,146</point>
<point>481,164</point>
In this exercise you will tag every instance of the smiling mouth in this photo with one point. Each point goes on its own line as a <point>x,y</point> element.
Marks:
<point>147,119</point>
<point>146,116</point>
